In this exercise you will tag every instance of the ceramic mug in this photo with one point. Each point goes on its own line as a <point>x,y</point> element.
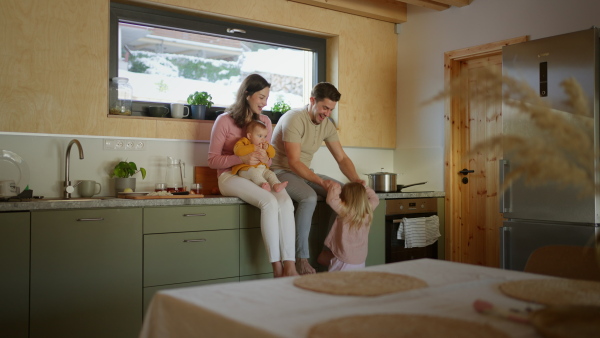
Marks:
<point>87,188</point>
<point>179,110</point>
<point>8,188</point>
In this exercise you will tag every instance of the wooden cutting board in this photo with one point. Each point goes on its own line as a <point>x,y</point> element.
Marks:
<point>146,197</point>
<point>208,178</point>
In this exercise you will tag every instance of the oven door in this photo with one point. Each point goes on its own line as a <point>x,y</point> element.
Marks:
<point>394,247</point>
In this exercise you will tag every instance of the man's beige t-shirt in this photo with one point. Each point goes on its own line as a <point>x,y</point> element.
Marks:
<point>295,126</point>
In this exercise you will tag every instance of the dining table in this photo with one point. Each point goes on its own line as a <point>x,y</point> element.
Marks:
<point>277,308</point>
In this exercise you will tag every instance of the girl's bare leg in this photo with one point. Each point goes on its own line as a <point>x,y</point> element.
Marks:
<point>289,268</point>
<point>325,257</point>
<point>277,269</point>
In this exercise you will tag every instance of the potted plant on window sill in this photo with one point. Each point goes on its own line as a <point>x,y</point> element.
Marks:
<point>279,108</point>
<point>199,101</point>
<point>122,173</point>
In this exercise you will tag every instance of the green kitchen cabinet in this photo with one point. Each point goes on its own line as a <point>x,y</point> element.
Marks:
<point>14,284</point>
<point>376,254</point>
<point>86,273</point>
<point>190,218</point>
<point>190,246</point>
<point>319,229</point>
<point>173,258</point>
<point>254,261</point>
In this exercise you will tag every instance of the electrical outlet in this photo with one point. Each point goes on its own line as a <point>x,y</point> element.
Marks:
<point>126,145</point>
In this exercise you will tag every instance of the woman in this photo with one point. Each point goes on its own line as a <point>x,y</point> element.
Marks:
<point>277,210</point>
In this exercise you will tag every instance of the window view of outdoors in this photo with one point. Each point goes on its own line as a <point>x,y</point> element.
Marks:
<point>165,65</point>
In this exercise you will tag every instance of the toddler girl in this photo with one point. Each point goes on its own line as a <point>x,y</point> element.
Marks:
<point>346,245</point>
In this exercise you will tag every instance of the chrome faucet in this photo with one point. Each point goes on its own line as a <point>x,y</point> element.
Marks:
<point>68,187</point>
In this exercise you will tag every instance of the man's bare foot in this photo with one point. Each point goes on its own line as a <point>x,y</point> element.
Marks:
<point>289,269</point>
<point>266,186</point>
<point>277,269</point>
<point>304,267</point>
<point>325,258</point>
<point>279,186</point>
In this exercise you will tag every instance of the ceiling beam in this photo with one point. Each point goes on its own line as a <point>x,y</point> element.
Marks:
<point>457,3</point>
<point>385,10</point>
<point>436,5</point>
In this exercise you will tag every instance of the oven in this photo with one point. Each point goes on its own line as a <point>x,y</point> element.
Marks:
<point>395,211</point>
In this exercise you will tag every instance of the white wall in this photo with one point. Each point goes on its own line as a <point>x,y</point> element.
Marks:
<point>428,34</point>
<point>45,157</point>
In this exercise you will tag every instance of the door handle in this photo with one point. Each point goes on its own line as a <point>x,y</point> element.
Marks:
<point>504,196</point>
<point>466,171</point>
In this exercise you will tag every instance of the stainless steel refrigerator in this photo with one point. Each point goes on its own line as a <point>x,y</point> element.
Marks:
<point>549,214</point>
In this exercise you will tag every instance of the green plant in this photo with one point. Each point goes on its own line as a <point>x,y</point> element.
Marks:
<point>200,99</point>
<point>281,107</point>
<point>126,169</point>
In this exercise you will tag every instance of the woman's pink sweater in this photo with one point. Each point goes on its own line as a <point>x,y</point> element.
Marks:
<point>223,137</point>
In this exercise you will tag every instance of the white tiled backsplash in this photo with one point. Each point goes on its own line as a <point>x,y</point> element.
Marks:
<point>45,156</point>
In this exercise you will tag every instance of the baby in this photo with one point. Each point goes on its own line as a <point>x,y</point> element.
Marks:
<point>260,174</point>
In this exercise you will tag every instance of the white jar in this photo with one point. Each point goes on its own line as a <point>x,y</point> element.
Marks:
<point>120,95</point>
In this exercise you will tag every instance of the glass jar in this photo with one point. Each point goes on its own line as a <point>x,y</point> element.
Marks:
<point>121,94</point>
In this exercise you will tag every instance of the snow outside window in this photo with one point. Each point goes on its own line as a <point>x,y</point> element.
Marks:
<point>165,62</point>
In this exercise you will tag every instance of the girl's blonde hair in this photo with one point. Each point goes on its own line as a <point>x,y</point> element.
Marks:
<point>356,209</point>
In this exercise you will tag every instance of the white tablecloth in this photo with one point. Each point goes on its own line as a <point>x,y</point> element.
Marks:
<point>276,308</point>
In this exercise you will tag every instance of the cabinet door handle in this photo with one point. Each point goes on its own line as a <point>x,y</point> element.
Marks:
<point>194,240</point>
<point>90,219</point>
<point>193,215</point>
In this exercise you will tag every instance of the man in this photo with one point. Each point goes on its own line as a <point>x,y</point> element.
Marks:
<point>297,136</point>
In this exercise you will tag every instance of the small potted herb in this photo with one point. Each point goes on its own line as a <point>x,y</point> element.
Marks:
<point>199,101</point>
<point>122,173</point>
<point>279,108</point>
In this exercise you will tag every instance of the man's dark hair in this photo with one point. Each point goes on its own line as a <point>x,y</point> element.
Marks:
<point>325,90</point>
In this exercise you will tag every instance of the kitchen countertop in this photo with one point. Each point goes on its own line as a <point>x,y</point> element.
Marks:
<point>112,202</point>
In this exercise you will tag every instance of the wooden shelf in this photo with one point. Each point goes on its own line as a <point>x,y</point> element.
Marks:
<point>170,119</point>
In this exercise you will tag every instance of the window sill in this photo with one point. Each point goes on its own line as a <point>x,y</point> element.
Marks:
<point>157,118</point>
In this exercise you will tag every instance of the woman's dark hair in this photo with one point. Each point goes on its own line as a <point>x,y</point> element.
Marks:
<point>325,90</point>
<point>239,110</point>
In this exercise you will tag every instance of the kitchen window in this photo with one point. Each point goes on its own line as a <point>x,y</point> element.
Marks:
<point>168,55</point>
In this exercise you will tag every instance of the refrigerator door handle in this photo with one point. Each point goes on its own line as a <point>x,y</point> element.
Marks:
<point>504,199</point>
<point>505,247</point>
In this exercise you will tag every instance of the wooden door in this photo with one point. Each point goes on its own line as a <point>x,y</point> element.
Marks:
<point>480,216</point>
<point>472,226</point>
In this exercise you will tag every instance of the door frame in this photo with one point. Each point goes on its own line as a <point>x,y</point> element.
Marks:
<point>454,110</point>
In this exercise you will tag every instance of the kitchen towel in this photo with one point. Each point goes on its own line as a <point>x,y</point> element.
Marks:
<point>419,231</point>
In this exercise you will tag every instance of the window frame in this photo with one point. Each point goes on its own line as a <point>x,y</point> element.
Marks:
<point>200,24</point>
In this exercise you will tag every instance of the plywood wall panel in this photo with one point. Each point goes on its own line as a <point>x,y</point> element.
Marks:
<point>185,129</point>
<point>129,126</point>
<point>50,73</point>
<point>54,66</point>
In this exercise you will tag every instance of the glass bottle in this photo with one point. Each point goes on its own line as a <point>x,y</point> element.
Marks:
<point>121,94</point>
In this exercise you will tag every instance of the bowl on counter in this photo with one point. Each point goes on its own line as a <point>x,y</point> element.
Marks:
<point>157,111</point>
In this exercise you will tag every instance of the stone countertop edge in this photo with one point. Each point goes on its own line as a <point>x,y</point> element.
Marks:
<point>108,202</point>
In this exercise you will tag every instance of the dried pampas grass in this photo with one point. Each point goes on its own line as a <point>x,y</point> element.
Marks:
<point>559,150</point>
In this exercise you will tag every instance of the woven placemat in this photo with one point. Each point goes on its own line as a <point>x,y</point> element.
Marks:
<point>559,291</point>
<point>566,321</point>
<point>402,325</point>
<point>358,283</point>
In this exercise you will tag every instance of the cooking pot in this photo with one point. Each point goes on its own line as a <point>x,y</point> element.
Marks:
<point>382,181</point>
